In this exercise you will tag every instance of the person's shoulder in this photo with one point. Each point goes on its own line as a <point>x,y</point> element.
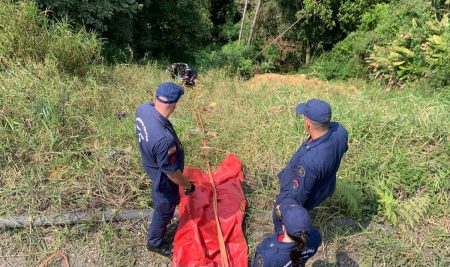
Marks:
<point>143,107</point>
<point>267,244</point>
<point>315,239</point>
<point>144,111</point>
<point>338,129</point>
<point>266,252</point>
<point>269,240</point>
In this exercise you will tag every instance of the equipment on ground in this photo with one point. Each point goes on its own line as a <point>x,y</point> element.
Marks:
<point>183,73</point>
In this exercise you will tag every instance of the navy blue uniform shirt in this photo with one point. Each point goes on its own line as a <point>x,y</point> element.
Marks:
<point>274,253</point>
<point>161,152</point>
<point>310,176</point>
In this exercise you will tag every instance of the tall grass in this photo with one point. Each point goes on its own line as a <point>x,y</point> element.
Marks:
<point>63,148</point>
<point>27,36</point>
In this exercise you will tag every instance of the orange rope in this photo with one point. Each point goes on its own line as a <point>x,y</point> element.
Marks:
<point>57,254</point>
<point>223,251</point>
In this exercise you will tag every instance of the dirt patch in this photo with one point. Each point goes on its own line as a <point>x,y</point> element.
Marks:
<point>273,79</point>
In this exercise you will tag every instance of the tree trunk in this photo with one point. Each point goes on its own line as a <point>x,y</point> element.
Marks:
<point>242,20</point>
<point>308,52</point>
<point>252,29</point>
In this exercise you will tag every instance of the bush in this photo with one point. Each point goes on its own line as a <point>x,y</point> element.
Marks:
<point>23,32</point>
<point>26,36</point>
<point>421,50</point>
<point>398,43</point>
<point>234,57</point>
<point>346,60</point>
<point>438,78</point>
<point>73,50</point>
<point>371,18</point>
<point>271,59</point>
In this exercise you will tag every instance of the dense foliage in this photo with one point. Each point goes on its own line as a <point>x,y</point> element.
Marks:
<point>400,42</point>
<point>136,29</point>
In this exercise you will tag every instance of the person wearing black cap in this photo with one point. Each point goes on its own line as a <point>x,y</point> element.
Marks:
<point>163,160</point>
<point>310,176</point>
<point>298,242</point>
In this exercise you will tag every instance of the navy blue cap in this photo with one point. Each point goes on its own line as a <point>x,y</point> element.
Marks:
<point>316,110</point>
<point>169,90</point>
<point>295,218</point>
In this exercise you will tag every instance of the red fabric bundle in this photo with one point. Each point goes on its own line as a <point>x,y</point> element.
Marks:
<point>196,240</point>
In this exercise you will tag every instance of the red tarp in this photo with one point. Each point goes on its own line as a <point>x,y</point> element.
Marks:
<point>196,240</point>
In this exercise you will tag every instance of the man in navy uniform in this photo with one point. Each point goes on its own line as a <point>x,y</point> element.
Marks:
<point>310,176</point>
<point>163,160</point>
<point>298,242</point>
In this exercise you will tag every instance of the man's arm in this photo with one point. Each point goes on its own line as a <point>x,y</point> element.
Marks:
<point>305,182</point>
<point>178,178</point>
<point>171,167</point>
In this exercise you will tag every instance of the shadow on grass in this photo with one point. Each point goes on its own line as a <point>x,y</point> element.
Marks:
<point>342,259</point>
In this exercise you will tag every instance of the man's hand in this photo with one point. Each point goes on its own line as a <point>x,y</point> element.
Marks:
<point>190,189</point>
<point>179,179</point>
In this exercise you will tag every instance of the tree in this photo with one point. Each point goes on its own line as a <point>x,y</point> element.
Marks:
<point>323,23</point>
<point>173,29</point>
<point>95,14</point>
<point>243,19</point>
<point>157,28</point>
<point>255,18</point>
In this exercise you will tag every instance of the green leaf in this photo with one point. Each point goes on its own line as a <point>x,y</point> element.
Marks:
<point>394,55</point>
<point>382,59</point>
<point>437,39</point>
<point>398,63</point>
<point>414,23</point>
<point>404,51</point>
<point>444,21</point>
<point>432,26</point>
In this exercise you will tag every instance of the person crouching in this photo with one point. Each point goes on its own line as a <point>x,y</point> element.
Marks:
<point>299,241</point>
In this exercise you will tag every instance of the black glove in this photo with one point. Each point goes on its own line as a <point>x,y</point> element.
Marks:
<point>190,189</point>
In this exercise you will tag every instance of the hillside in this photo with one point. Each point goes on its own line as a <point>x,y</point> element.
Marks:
<point>66,148</point>
<point>67,144</point>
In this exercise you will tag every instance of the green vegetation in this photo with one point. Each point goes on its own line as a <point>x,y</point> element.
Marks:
<point>399,43</point>
<point>27,37</point>
<point>68,144</point>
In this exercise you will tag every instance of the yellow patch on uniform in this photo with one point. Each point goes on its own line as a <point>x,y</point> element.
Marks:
<point>172,150</point>
<point>259,261</point>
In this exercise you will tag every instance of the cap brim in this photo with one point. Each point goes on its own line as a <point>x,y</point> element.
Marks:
<point>300,109</point>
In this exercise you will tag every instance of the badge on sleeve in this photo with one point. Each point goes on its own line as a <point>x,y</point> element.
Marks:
<point>295,184</point>
<point>172,150</point>
<point>259,261</point>
<point>172,159</point>
<point>301,171</point>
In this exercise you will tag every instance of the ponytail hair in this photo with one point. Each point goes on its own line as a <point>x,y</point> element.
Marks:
<point>302,240</point>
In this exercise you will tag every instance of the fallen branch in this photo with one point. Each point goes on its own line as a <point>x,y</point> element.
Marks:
<point>74,218</point>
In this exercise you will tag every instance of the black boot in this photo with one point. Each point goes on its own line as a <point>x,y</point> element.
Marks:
<point>164,251</point>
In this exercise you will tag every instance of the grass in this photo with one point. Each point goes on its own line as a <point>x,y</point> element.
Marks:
<point>63,149</point>
<point>68,144</point>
